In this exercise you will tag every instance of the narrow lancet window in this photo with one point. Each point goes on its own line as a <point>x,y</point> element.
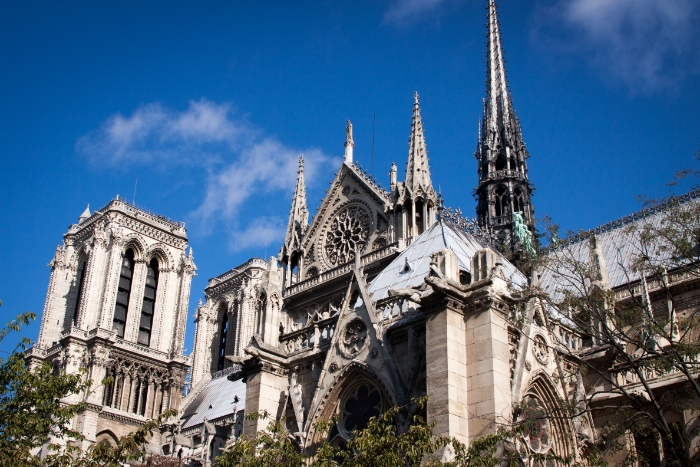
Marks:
<point>80,280</point>
<point>123,293</point>
<point>222,342</point>
<point>149,302</point>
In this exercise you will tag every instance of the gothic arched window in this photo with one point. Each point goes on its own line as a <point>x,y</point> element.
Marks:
<point>501,162</point>
<point>519,201</point>
<point>126,276</point>
<point>80,281</point>
<point>223,334</point>
<point>149,303</point>
<point>501,199</point>
<point>361,404</point>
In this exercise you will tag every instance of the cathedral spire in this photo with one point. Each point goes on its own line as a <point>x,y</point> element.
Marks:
<point>417,169</point>
<point>498,103</point>
<point>299,214</point>
<point>503,188</point>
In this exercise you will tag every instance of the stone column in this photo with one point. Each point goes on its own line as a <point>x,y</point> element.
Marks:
<point>488,366</point>
<point>413,218</point>
<point>266,390</point>
<point>446,366</point>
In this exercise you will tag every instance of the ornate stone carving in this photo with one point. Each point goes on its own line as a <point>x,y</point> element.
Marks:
<point>354,338</point>
<point>346,235</point>
<point>540,349</point>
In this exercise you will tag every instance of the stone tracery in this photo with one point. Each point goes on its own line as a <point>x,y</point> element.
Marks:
<point>346,235</point>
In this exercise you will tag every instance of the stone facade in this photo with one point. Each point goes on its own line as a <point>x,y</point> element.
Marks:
<point>384,296</point>
<point>117,306</point>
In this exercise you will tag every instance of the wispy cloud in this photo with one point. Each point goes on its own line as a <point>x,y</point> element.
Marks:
<point>258,233</point>
<point>645,44</point>
<point>240,161</point>
<point>404,12</point>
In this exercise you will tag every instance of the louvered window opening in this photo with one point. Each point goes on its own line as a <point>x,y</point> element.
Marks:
<point>123,293</point>
<point>149,303</point>
<point>79,295</point>
<point>222,342</point>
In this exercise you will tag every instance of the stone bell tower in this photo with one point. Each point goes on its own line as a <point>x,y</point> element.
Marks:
<point>503,188</point>
<point>117,306</point>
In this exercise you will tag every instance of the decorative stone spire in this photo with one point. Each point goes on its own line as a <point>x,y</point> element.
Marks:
<point>503,187</point>
<point>417,169</point>
<point>299,214</point>
<point>349,143</point>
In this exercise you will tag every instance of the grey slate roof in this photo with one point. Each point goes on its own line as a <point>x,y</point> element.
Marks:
<point>216,400</point>
<point>438,236</point>
<point>618,243</point>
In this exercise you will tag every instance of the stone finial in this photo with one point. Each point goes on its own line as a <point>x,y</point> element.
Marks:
<point>392,176</point>
<point>349,143</point>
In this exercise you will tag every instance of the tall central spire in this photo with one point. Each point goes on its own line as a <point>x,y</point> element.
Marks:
<point>498,104</point>
<point>503,184</point>
<point>417,169</point>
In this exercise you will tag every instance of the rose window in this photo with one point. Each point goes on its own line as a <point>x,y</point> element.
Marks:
<point>346,235</point>
<point>536,425</point>
<point>364,403</point>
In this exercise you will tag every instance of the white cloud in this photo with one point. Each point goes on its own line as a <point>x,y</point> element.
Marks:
<point>402,12</point>
<point>647,44</point>
<point>258,234</point>
<point>241,162</point>
<point>154,134</point>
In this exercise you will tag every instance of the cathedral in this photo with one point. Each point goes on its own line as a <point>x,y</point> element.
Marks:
<point>384,296</point>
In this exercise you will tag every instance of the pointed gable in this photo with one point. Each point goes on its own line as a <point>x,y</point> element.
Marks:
<point>353,215</point>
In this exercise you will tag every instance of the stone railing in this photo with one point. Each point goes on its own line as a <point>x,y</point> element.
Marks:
<point>391,308</point>
<point>238,269</point>
<point>143,350</point>
<point>506,173</point>
<point>226,371</point>
<point>147,214</point>
<point>470,226</point>
<point>340,270</point>
<point>627,376</point>
<point>313,335</point>
<point>75,332</point>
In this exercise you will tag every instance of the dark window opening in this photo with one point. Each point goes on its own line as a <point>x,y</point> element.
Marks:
<point>501,162</point>
<point>501,198</point>
<point>123,293</point>
<point>149,303</point>
<point>519,201</point>
<point>647,446</point>
<point>465,277</point>
<point>420,217</point>
<point>222,342</point>
<point>81,282</point>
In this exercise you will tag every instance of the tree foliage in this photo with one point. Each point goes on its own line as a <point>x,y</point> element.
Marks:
<point>641,341</point>
<point>34,416</point>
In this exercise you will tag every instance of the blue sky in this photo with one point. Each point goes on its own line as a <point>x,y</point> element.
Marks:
<point>209,105</point>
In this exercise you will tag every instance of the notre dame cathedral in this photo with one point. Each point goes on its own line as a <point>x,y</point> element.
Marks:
<point>385,296</point>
